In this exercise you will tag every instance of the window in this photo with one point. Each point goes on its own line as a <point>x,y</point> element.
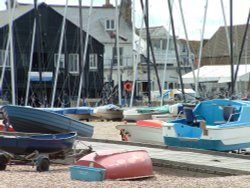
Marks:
<point>61,62</point>
<point>93,61</point>
<point>74,63</point>
<point>2,56</point>
<point>110,25</point>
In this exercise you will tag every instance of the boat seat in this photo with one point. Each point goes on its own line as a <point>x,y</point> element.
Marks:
<point>191,119</point>
<point>228,115</point>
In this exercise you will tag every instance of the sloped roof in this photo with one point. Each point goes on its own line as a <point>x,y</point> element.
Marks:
<point>97,25</point>
<point>159,32</point>
<point>18,12</point>
<point>217,46</point>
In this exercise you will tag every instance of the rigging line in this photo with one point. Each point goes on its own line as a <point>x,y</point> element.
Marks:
<point>59,54</point>
<point>242,47</point>
<point>82,80</point>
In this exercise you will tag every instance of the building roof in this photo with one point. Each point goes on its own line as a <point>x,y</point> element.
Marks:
<point>218,46</point>
<point>217,73</point>
<point>97,25</point>
<point>19,11</point>
<point>159,32</point>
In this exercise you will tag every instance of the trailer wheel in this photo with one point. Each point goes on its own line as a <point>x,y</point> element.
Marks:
<point>42,164</point>
<point>3,161</point>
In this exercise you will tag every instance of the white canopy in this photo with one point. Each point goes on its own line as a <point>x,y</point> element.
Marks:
<point>217,73</point>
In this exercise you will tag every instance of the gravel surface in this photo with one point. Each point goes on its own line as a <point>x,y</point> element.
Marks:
<point>59,175</point>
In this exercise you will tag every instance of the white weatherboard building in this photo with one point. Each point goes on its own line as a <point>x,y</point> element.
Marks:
<point>103,28</point>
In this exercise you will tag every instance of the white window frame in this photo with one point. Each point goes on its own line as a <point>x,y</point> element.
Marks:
<point>2,56</point>
<point>61,62</point>
<point>110,24</point>
<point>74,62</point>
<point>93,61</point>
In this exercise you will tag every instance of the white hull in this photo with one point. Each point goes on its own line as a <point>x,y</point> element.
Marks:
<point>143,134</point>
<point>133,115</point>
<point>226,134</point>
<point>165,117</point>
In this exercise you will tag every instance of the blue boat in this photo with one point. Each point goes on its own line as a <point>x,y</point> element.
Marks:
<point>220,124</point>
<point>43,143</point>
<point>33,120</point>
<point>79,113</point>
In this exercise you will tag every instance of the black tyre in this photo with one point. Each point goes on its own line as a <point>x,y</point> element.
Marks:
<point>3,161</point>
<point>42,164</point>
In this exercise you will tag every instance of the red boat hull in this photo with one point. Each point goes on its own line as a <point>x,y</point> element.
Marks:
<point>120,164</point>
<point>150,123</point>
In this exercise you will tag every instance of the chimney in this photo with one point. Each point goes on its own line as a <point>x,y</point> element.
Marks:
<point>108,4</point>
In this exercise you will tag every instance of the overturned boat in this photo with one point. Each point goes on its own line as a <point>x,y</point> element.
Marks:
<point>33,120</point>
<point>120,164</point>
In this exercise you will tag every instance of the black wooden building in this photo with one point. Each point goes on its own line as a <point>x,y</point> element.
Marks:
<point>46,47</point>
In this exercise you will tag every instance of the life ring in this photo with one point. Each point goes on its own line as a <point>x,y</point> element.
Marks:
<point>128,86</point>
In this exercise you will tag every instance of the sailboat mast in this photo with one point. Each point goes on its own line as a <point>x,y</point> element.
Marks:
<point>30,62</point>
<point>13,90</point>
<point>242,47</point>
<point>176,49</point>
<point>187,40</point>
<point>59,55</point>
<point>148,55</point>
<point>231,47</point>
<point>118,52</point>
<point>200,49</point>
<point>84,53</point>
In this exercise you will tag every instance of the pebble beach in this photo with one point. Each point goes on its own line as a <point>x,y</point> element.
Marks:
<point>59,175</point>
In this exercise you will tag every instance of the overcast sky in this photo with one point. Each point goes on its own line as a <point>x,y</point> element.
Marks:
<point>193,11</point>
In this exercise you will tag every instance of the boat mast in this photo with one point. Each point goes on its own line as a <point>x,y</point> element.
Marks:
<point>231,47</point>
<point>242,47</point>
<point>6,55</point>
<point>137,48</point>
<point>59,55</point>
<point>166,59</point>
<point>118,52</point>
<point>176,49</point>
<point>84,53</point>
<point>200,49</point>
<point>187,40</point>
<point>225,24</point>
<point>31,57</point>
<point>11,9</point>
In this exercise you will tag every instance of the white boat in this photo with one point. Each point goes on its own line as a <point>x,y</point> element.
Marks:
<point>220,124</point>
<point>143,131</point>
<point>108,112</point>
<point>134,115</point>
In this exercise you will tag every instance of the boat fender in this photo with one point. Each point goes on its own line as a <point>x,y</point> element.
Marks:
<point>127,86</point>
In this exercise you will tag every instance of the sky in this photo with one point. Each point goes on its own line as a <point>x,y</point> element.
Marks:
<point>193,11</point>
